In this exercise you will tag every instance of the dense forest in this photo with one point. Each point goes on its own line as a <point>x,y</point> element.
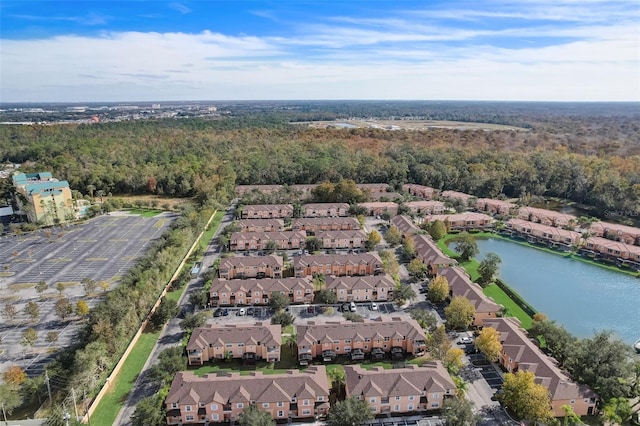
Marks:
<point>592,157</point>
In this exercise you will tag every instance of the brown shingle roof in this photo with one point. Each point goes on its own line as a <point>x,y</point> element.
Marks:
<point>337,259</point>
<point>244,261</point>
<point>429,251</point>
<point>461,285</point>
<point>365,282</point>
<point>265,333</point>
<point>311,332</point>
<point>405,225</point>
<point>265,285</point>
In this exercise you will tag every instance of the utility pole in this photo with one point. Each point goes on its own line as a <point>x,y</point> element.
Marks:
<point>46,379</point>
<point>66,418</point>
<point>75,406</point>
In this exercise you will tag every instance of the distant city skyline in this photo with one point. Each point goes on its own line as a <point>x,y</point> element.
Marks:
<point>118,51</point>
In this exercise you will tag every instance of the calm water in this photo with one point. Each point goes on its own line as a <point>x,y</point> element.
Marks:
<point>581,297</point>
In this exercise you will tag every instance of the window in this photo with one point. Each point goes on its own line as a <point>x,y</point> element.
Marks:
<point>386,339</point>
<point>189,418</point>
<point>436,395</point>
<point>411,397</point>
<point>280,413</point>
<point>372,400</point>
<point>187,408</point>
<point>410,407</point>
<point>347,341</point>
<point>320,398</point>
<point>202,404</point>
<point>240,345</point>
<point>174,405</point>
<point>397,398</point>
<point>265,405</point>
<point>434,405</point>
<point>573,401</point>
<point>228,345</point>
<point>240,405</point>
<point>280,404</point>
<point>396,408</point>
<point>305,402</point>
<point>306,412</point>
<point>214,416</point>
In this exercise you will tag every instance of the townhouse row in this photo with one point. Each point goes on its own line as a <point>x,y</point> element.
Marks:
<point>294,240</point>
<point>223,292</point>
<point>305,394</point>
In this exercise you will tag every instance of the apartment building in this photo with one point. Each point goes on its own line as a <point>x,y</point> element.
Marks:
<point>545,234</point>
<point>250,342</point>
<point>342,239</point>
<point>400,390</point>
<point>260,225</point>
<point>431,255</point>
<point>361,289</point>
<point>421,191</point>
<point>520,353</point>
<point>258,292</point>
<point>338,264</point>
<point>243,267</point>
<point>251,241</point>
<point>496,207</point>
<point>405,225</point>
<point>222,398</point>
<point>377,208</point>
<point>267,211</point>
<point>547,217</point>
<point>43,199</point>
<point>460,284</point>
<point>616,251</point>
<point>616,231</point>
<point>464,221</point>
<point>373,188</point>
<point>375,338</point>
<point>313,225</point>
<point>422,208</point>
<point>466,199</point>
<point>325,210</point>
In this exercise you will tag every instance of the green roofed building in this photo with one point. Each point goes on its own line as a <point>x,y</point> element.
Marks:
<point>43,199</point>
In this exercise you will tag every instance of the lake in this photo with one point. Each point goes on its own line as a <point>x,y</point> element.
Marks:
<point>582,297</point>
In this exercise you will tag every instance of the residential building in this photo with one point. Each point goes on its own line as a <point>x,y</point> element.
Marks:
<point>460,284</point>
<point>547,217</point>
<point>520,353</point>
<point>425,207</point>
<point>385,196</point>
<point>265,189</point>
<point>377,208</point>
<point>421,191</point>
<point>431,255</point>
<point>222,398</point>
<point>617,232</point>
<point>260,225</point>
<point>259,291</point>
<point>313,225</point>
<point>251,267</point>
<point>360,289</point>
<point>267,211</point>
<point>466,199</point>
<point>250,342</point>
<point>342,239</point>
<point>304,189</point>
<point>338,264</point>
<point>545,234</point>
<point>43,199</point>
<point>604,248</point>
<point>373,187</point>
<point>496,207</point>
<point>376,337</point>
<point>285,240</point>
<point>464,221</point>
<point>325,210</point>
<point>400,390</point>
<point>405,225</point>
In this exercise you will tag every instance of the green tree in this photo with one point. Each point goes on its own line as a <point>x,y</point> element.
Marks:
<point>617,410</point>
<point>570,417</point>
<point>14,375</point>
<point>149,412</point>
<point>459,412</point>
<point>453,360</point>
<point>52,336</point>
<point>438,343</point>
<point>338,379</point>
<point>252,416</point>
<point>41,287</point>
<point>459,313</point>
<point>278,301</point>
<point>82,308</point>
<point>417,269</point>
<point>525,398</point>
<point>426,319</point>
<point>326,297</point>
<point>488,342</point>
<point>349,412</point>
<point>167,309</point>
<point>390,262</point>
<point>60,287</point>
<point>466,246</point>
<point>559,341</point>
<point>63,308</point>
<point>403,293</point>
<point>393,236</point>
<point>488,268</point>
<point>89,285</point>
<point>170,361</point>
<point>271,246</point>
<point>10,312</point>
<point>437,230</point>
<point>199,298</point>
<point>192,321</point>
<point>409,248</point>
<point>32,309</point>
<point>29,337</point>
<point>313,244</point>
<point>10,398</point>
<point>373,239</point>
<point>283,318</point>
<point>438,289</point>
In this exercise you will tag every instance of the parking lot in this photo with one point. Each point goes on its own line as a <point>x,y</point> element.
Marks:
<point>486,370</point>
<point>102,249</point>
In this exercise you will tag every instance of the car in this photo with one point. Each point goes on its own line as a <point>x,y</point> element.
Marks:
<point>250,311</point>
<point>241,312</point>
<point>344,307</point>
<point>352,307</point>
<point>374,306</point>
<point>465,340</point>
<point>310,310</point>
<point>225,313</point>
<point>218,312</point>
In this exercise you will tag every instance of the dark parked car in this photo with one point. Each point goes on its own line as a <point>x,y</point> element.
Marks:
<point>249,311</point>
<point>218,312</point>
<point>225,312</point>
<point>344,307</point>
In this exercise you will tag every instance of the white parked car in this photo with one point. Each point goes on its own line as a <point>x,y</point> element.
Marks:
<point>374,306</point>
<point>465,340</point>
<point>352,307</point>
<point>241,312</point>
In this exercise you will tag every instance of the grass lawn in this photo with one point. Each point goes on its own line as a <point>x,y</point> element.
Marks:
<point>146,212</point>
<point>208,233</point>
<point>513,310</point>
<point>106,412</point>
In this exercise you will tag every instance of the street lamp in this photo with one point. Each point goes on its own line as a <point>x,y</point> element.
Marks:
<point>66,418</point>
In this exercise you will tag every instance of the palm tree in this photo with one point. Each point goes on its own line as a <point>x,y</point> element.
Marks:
<point>338,379</point>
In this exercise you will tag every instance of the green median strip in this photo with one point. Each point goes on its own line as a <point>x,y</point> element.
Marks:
<point>106,412</point>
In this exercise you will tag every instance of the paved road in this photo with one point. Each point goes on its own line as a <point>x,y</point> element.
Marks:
<point>171,334</point>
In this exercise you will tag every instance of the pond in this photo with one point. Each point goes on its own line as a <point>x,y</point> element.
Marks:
<point>582,297</point>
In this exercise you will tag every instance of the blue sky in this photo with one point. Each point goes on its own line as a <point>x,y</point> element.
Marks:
<point>537,50</point>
